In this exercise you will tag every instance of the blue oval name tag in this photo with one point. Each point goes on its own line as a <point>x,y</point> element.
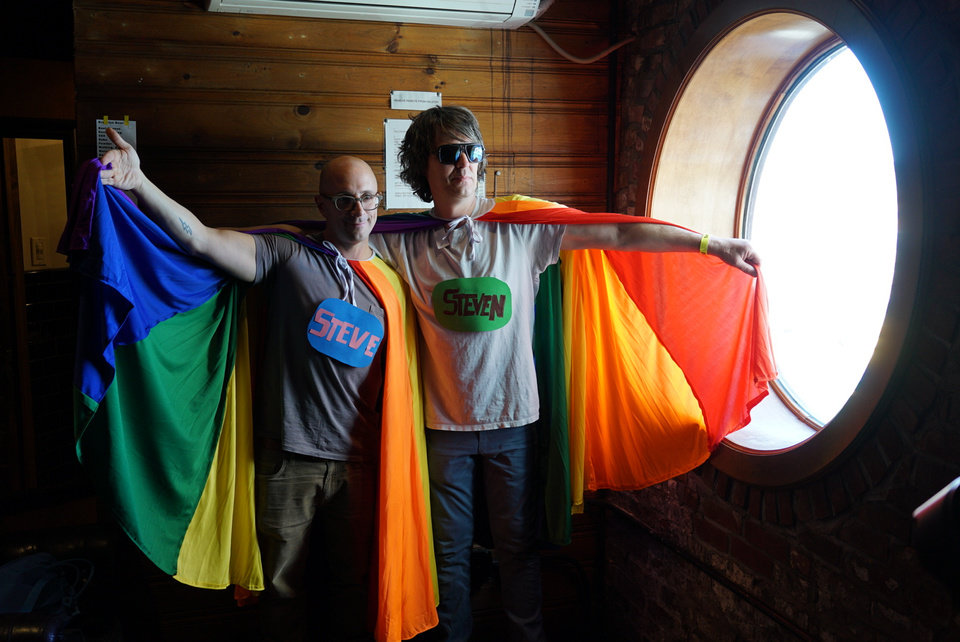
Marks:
<point>345,332</point>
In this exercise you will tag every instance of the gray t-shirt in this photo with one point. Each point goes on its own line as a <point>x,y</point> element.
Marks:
<point>312,403</point>
<point>474,297</point>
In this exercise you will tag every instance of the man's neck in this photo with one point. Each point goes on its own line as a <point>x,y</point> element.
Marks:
<point>357,253</point>
<point>451,209</point>
<point>354,252</point>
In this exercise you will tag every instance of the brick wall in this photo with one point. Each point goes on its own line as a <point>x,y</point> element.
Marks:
<point>706,557</point>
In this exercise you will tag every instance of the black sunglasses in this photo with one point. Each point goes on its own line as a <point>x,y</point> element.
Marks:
<point>450,154</point>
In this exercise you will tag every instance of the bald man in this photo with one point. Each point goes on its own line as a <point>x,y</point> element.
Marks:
<point>317,420</point>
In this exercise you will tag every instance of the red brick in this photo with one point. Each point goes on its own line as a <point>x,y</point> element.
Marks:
<point>940,443</point>
<point>770,507</point>
<point>874,464</point>
<point>707,473</point>
<point>709,534</point>
<point>918,390</point>
<point>837,494</point>
<point>819,501</point>
<point>853,479</point>
<point>932,351</point>
<point>902,20</point>
<point>941,321</point>
<point>889,439</point>
<point>785,515</point>
<point>932,476</point>
<point>662,14</point>
<point>867,539</point>
<point>823,547</point>
<point>721,485</point>
<point>800,562</point>
<point>903,416</point>
<point>755,507</point>
<point>738,494</point>
<point>722,513</point>
<point>765,538</point>
<point>655,38</point>
<point>803,503</point>
<point>885,518</point>
<point>685,26</point>
<point>751,557</point>
<point>689,497</point>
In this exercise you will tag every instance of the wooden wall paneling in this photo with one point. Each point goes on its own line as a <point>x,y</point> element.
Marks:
<point>341,78</point>
<point>268,126</point>
<point>287,173</point>
<point>238,113</point>
<point>172,21</point>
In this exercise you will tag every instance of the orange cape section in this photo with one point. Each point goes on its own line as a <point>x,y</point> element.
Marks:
<point>665,353</point>
<point>406,590</point>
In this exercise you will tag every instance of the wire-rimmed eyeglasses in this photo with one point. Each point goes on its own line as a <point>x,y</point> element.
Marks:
<point>346,202</point>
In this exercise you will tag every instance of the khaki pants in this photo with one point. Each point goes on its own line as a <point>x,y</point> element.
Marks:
<point>315,523</point>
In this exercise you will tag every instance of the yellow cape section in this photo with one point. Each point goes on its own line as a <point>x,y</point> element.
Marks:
<point>220,546</point>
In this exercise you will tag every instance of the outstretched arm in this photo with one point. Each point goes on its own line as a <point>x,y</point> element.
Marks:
<point>231,251</point>
<point>658,237</point>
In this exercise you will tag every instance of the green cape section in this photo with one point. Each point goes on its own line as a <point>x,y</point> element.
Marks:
<point>151,440</point>
<point>554,430</point>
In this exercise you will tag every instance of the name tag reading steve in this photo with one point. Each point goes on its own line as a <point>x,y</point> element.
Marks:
<point>345,332</point>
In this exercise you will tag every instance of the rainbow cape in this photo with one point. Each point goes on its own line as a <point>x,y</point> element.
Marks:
<point>645,360</point>
<point>163,410</point>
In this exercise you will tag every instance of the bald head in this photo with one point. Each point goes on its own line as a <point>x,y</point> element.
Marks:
<point>345,170</point>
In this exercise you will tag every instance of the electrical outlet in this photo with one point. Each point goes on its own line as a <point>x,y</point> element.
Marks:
<point>38,251</point>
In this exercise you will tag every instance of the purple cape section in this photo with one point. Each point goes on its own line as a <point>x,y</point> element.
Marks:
<point>386,224</point>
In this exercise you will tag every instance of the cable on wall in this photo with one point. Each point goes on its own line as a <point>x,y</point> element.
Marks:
<point>571,58</point>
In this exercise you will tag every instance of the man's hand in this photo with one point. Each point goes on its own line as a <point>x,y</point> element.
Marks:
<point>736,252</point>
<point>125,173</point>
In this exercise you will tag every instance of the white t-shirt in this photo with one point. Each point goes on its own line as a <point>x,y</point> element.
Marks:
<point>475,301</point>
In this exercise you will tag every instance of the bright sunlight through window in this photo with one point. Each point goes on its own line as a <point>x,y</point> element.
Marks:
<point>822,212</point>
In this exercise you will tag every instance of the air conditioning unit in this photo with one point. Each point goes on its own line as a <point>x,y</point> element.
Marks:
<point>489,14</point>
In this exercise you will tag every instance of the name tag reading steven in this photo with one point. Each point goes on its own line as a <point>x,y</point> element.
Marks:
<point>345,332</point>
<point>475,304</point>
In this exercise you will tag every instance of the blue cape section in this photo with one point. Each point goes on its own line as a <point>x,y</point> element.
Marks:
<point>127,297</point>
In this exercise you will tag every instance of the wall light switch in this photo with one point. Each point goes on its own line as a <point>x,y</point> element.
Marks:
<point>38,250</point>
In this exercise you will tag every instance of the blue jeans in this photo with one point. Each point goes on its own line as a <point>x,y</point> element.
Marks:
<point>506,462</point>
<point>304,503</point>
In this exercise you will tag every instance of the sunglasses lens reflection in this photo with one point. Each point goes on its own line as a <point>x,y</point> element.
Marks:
<point>450,154</point>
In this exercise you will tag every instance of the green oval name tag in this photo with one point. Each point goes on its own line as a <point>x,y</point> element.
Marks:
<point>477,304</point>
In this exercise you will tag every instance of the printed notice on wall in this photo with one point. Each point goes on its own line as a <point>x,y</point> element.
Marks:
<point>126,128</point>
<point>415,100</point>
<point>399,195</point>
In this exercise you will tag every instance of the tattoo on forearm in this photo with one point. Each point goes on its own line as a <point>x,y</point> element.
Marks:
<point>186,227</point>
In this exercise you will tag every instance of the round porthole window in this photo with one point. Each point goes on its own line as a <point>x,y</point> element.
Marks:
<point>781,133</point>
<point>822,211</point>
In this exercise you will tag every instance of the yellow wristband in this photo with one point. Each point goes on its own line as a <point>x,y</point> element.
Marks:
<point>704,242</point>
